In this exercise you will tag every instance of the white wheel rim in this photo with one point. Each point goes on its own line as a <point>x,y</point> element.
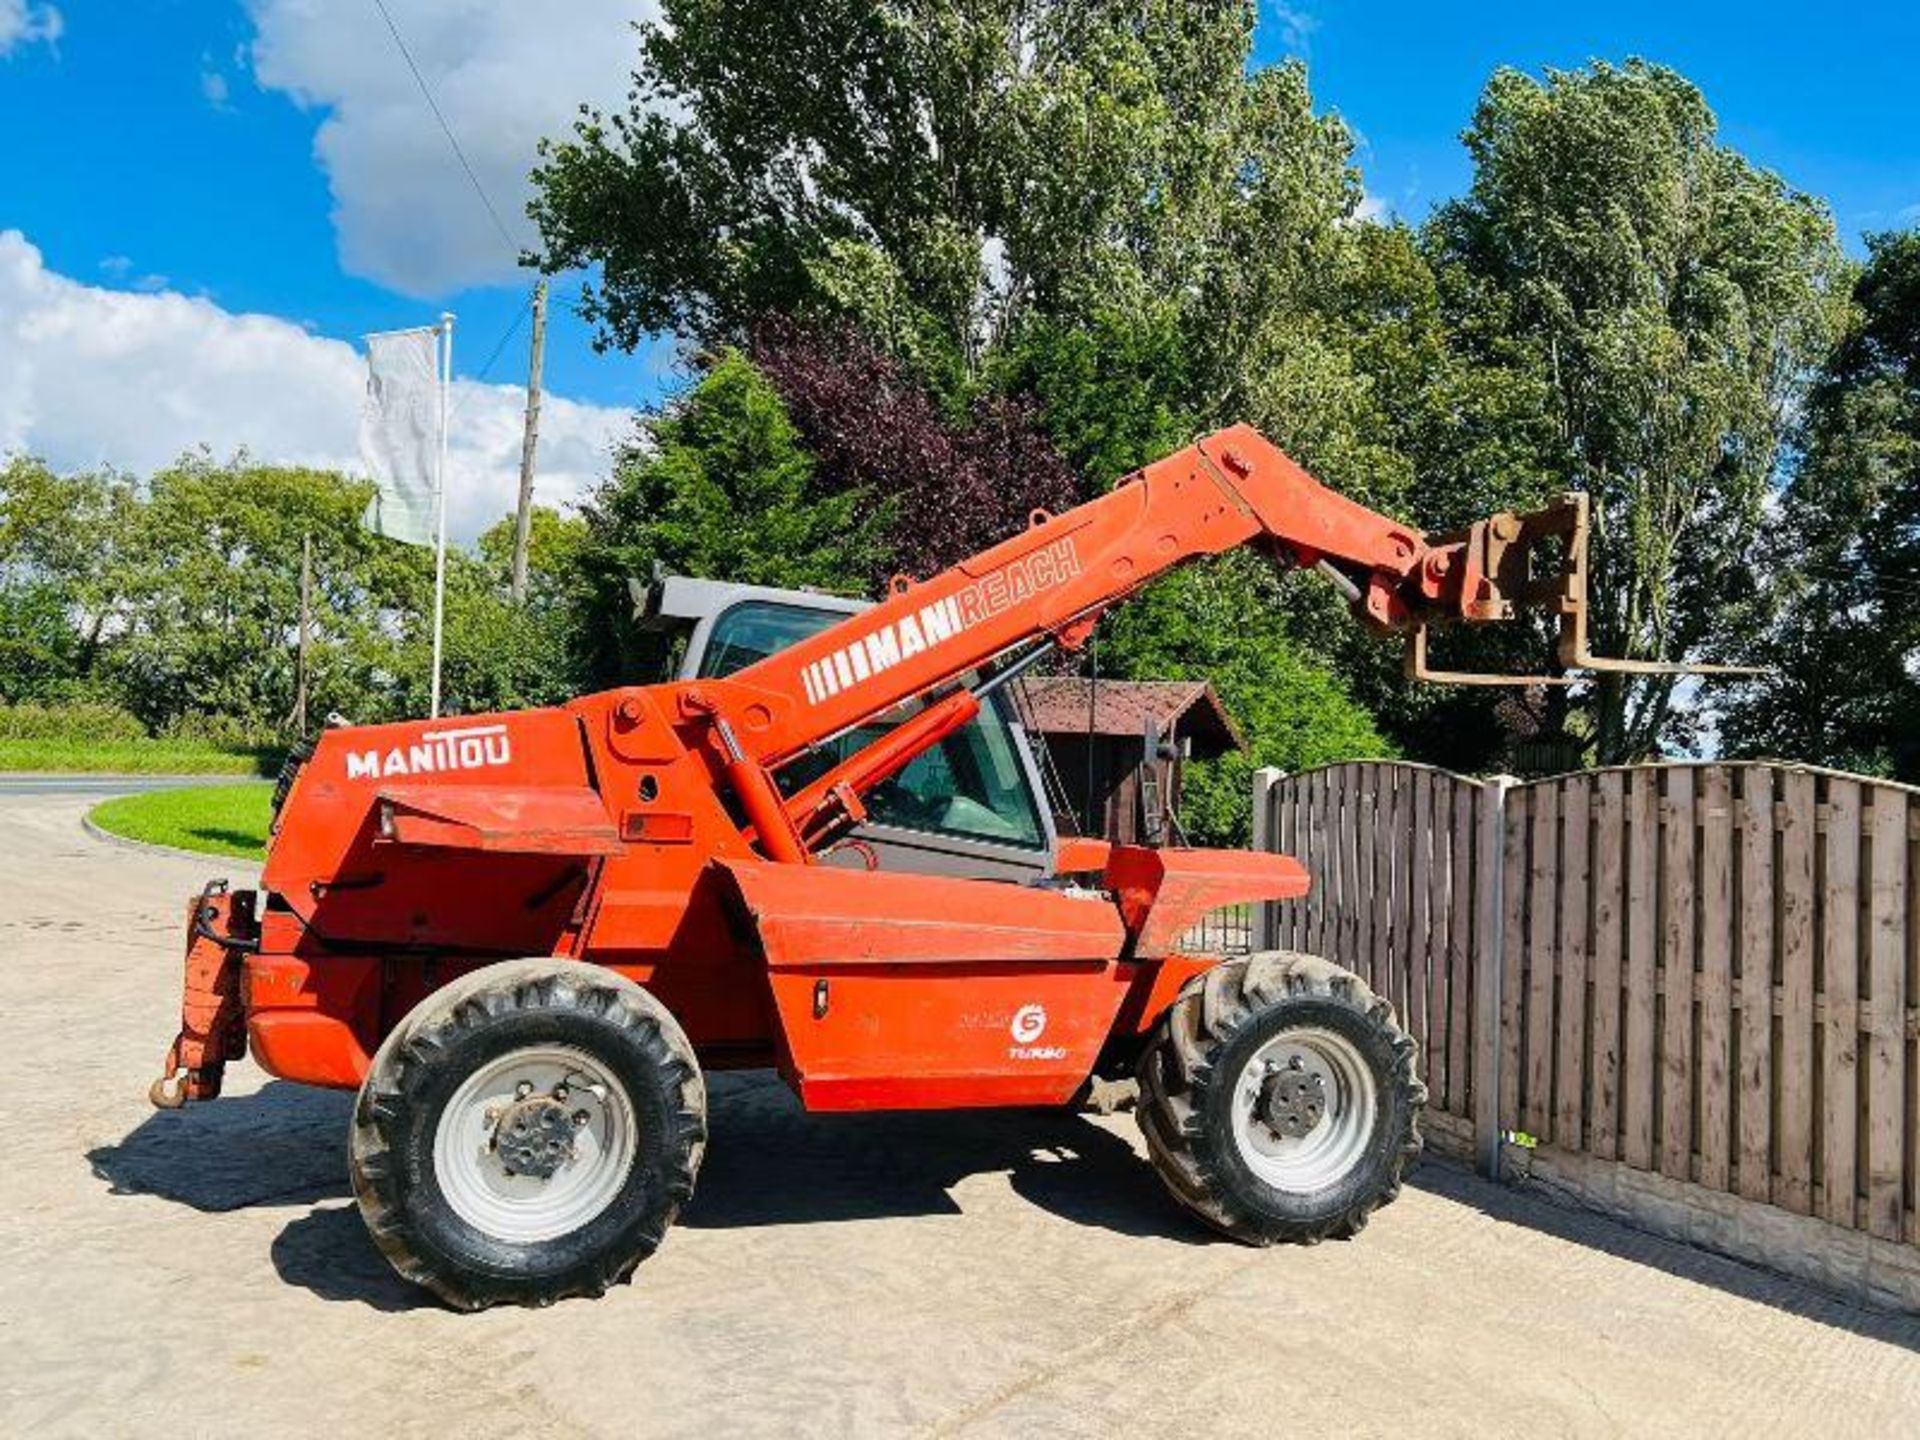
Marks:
<point>1337,1142</point>
<point>523,1208</point>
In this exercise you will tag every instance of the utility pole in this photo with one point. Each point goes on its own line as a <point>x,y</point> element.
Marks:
<point>529,444</point>
<point>306,629</point>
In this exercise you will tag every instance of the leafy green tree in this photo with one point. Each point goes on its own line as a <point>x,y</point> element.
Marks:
<point>1672,298</point>
<point>210,597</point>
<point>716,485</point>
<point>1845,548</point>
<point>62,572</point>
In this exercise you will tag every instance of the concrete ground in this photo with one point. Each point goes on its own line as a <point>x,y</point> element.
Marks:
<point>206,1272</point>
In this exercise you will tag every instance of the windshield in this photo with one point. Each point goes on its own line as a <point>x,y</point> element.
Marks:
<point>972,784</point>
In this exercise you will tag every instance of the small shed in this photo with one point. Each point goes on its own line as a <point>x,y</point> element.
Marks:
<point>1118,747</point>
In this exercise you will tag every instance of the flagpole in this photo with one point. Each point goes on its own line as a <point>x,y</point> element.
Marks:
<point>440,505</point>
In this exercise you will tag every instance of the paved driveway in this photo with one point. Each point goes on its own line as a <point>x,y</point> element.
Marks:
<point>206,1272</point>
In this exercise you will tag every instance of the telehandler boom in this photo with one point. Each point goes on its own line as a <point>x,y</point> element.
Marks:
<point>522,937</point>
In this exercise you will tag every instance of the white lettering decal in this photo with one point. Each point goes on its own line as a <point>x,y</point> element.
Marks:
<point>940,620</point>
<point>473,748</point>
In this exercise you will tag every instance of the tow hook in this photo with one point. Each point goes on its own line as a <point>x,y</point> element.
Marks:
<point>169,1092</point>
<point>220,929</point>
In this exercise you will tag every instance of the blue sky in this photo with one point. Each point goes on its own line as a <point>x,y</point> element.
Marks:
<point>270,158</point>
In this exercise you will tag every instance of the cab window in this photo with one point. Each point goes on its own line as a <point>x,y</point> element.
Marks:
<point>971,785</point>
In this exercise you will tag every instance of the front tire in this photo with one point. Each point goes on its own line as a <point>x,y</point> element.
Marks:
<point>1279,1100</point>
<point>527,1134</point>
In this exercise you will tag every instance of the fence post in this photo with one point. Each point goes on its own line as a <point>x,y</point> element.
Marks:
<point>1489,972</point>
<point>1264,779</point>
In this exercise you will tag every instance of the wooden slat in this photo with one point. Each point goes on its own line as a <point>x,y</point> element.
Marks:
<point>1353,901</point>
<point>1513,920</point>
<point>1316,855</point>
<point>1840,961</point>
<point>1636,1088</point>
<point>1755,1093</point>
<point>1714,1140</point>
<point>1887,988</point>
<point>1609,845</point>
<point>1368,809</point>
<point>1400,925</point>
<point>1543,866</point>
<point>1439,921</point>
<point>1571,1020</point>
<point>1459,953</point>
<point>1285,828</point>
<point>1793,1141</point>
<point>1329,915</point>
<point>1676,958</point>
<point>1394,893</point>
<point>1381,903</point>
<point>1414,907</point>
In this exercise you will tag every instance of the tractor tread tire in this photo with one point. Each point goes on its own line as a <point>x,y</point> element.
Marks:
<point>389,1127</point>
<point>1189,1056</point>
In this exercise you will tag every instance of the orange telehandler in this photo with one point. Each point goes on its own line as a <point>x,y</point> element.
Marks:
<point>522,937</point>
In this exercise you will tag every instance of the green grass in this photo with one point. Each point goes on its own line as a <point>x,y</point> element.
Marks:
<point>132,757</point>
<point>218,819</point>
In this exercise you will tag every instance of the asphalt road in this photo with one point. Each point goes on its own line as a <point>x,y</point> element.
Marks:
<point>26,786</point>
<point>206,1273</point>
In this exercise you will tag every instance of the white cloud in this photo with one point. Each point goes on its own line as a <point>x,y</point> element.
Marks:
<point>1371,207</point>
<point>213,85</point>
<point>92,376</point>
<point>1296,25</point>
<point>25,22</point>
<point>505,73</point>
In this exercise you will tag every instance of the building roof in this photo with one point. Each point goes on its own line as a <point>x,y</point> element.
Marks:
<point>1059,705</point>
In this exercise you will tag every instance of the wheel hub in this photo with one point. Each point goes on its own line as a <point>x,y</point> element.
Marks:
<point>1292,1100</point>
<point>534,1136</point>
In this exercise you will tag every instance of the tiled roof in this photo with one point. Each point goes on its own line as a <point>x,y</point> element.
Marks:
<point>1060,704</point>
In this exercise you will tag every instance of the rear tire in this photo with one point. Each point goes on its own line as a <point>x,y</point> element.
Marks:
<point>527,1134</point>
<point>1279,1100</point>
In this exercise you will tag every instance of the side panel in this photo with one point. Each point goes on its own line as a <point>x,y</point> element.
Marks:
<point>330,863</point>
<point>908,991</point>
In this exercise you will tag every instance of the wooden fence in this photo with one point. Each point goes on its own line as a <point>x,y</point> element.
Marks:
<point>1706,973</point>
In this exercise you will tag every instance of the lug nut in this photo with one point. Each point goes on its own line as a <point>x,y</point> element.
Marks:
<point>580,1118</point>
<point>523,1089</point>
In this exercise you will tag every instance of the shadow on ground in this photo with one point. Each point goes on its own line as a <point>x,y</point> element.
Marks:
<point>767,1163</point>
<point>1565,1220</point>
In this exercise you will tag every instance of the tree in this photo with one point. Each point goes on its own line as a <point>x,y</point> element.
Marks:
<point>716,485</point>
<point>954,487</point>
<point>937,169</point>
<point>178,599</point>
<point>1845,548</point>
<point>62,539</point>
<point>210,597</point>
<point>1672,298</point>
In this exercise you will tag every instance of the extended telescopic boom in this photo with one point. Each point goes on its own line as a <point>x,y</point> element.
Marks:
<point>1050,584</point>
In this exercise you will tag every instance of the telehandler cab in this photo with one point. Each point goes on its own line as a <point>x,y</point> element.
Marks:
<point>524,937</point>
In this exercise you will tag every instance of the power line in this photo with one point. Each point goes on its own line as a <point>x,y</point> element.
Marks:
<point>453,142</point>
<point>479,377</point>
<point>446,129</point>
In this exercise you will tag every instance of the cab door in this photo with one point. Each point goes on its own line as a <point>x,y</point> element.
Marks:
<point>970,807</point>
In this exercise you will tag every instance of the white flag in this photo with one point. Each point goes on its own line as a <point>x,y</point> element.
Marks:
<point>400,433</point>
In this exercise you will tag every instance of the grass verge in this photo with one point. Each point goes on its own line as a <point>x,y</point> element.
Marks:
<point>218,819</point>
<point>133,757</point>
